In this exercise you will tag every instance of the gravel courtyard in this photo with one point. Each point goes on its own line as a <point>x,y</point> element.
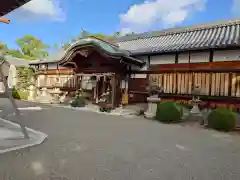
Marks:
<point>89,146</point>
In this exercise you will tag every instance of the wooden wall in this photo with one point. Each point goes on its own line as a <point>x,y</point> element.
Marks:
<point>215,84</point>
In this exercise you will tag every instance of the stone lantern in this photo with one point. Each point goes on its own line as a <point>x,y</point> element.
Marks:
<point>32,90</point>
<point>195,113</point>
<point>196,92</point>
<point>154,93</point>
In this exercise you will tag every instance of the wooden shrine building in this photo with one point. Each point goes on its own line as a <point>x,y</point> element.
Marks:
<point>92,65</point>
<point>177,59</point>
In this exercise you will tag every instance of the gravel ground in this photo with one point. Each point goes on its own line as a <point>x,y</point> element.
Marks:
<point>89,146</point>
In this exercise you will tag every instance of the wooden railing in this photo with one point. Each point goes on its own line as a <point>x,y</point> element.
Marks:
<point>61,81</point>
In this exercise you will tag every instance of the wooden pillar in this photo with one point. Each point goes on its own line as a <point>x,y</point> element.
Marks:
<point>81,82</point>
<point>97,93</point>
<point>126,91</point>
<point>113,84</point>
<point>103,84</point>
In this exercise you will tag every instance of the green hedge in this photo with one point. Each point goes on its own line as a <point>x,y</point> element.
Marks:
<point>169,112</point>
<point>23,94</point>
<point>79,101</point>
<point>19,94</point>
<point>15,94</point>
<point>222,119</point>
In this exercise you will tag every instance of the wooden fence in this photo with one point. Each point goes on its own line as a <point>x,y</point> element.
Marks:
<point>215,84</point>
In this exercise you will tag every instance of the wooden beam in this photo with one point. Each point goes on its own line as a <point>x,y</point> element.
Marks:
<point>4,20</point>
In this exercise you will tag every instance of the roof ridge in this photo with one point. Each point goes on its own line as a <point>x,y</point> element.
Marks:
<point>164,32</point>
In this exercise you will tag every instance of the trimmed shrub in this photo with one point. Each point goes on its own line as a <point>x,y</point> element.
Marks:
<point>79,101</point>
<point>23,95</point>
<point>222,119</point>
<point>169,112</point>
<point>15,94</point>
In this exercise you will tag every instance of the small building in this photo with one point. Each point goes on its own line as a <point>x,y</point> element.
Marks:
<point>88,61</point>
<point>10,69</point>
<point>176,59</point>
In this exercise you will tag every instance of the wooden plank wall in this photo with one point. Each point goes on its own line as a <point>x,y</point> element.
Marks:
<point>211,83</point>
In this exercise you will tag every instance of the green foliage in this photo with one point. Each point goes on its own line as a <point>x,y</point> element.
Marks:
<point>169,112</point>
<point>222,119</point>
<point>15,94</point>
<point>3,46</point>
<point>32,47</point>
<point>24,76</point>
<point>79,101</point>
<point>85,34</point>
<point>23,94</point>
<point>14,53</point>
<point>117,34</point>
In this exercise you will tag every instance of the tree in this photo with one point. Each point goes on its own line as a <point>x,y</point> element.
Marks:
<point>14,53</point>
<point>117,34</point>
<point>32,47</point>
<point>11,52</point>
<point>3,46</point>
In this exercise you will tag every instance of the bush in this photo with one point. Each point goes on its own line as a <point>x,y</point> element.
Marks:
<point>19,94</point>
<point>79,101</point>
<point>15,94</point>
<point>23,95</point>
<point>222,119</point>
<point>169,112</point>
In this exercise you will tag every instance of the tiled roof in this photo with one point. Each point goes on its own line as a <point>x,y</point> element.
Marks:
<point>52,58</point>
<point>197,37</point>
<point>17,61</point>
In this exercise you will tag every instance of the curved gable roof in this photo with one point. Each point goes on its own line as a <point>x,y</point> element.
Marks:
<point>102,46</point>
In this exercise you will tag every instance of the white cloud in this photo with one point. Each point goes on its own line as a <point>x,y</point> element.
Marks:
<point>164,13</point>
<point>50,9</point>
<point>236,7</point>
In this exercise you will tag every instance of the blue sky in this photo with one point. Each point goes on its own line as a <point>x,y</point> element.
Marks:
<point>59,20</point>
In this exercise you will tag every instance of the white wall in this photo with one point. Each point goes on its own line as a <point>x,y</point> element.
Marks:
<point>197,57</point>
<point>228,55</point>
<point>183,58</point>
<point>12,76</point>
<point>54,66</point>
<point>162,59</point>
<point>5,68</point>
